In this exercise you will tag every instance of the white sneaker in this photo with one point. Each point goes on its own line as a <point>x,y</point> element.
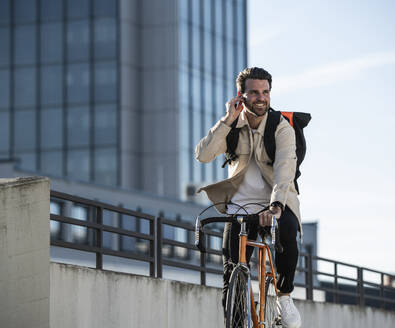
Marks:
<point>290,316</point>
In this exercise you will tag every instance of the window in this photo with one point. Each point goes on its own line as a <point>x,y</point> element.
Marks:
<point>27,160</point>
<point>55,208</point>
<point>230,52</point>
<point>25,131</point>
<point>183,42</point>
<point>51,85</point>
<point>79,233</point>
<point>51,9</point>
<point>5,48</point>
<point>4,11</point>
<point>195,13</point>
<point>106,8</point>
<point>105,81</point>
<point>105,38</point>
<point>51,128</point>
<point>207,14</point>
<point>25,11</point>
<point>208,96</point>
<point>25,87</point>
<point>208,57</point>
<point>78,8</point>
<point>78,83</point>
<point>197,124</point>
<point>78,123</point>
<point>106,166</point>
<point>218,17</point>
<point>51,163</point>
<point>25,44</point>
<point>196,91</point>
<point>78,40</point>
<point>105,124</point>
<point>196,47</point>
<point>219,56</point>
<point>51,42</point>
<point>229,20</point>
<point>184,169</point>
<point>184,116</point>
<point>4,131</point>
<point>183,81</point>
<point>183,9</point>
<point>4,89</point>
<point>240,21</point>
<point>241,61</point>
<point>220,103</point>
<point>78,164</point>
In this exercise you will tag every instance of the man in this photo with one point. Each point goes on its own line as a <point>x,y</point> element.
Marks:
<point>254,179</point>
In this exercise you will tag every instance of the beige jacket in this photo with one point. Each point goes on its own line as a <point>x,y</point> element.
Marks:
<point>280,176</point>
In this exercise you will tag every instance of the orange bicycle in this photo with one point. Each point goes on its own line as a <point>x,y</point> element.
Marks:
<point>241,309</point>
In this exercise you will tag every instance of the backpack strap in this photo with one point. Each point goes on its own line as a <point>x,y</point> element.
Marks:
<point>232,140</point>
<point>273,119</point>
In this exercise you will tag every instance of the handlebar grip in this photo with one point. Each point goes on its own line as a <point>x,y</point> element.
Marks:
<point>200,241</point>
<point>199,237</point>
<point>273,230</point>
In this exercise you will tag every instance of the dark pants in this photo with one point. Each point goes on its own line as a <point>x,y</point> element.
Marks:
<point>285,262</point>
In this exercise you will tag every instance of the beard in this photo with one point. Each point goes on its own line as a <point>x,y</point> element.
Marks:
<point>259,108</point>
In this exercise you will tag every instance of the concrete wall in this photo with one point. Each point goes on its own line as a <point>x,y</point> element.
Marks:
<point>83,297</point>
<point>24,253</point>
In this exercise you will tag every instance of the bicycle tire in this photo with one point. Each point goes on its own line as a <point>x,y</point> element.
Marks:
<point>237,300</point>
<point>272,314</point>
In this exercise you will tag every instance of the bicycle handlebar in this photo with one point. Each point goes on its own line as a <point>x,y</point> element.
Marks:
<point>254,218</point>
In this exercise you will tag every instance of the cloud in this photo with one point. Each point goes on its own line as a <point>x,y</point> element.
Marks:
<point>333,72</point>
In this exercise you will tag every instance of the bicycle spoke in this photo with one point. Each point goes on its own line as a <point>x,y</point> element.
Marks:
<point>272,313</point>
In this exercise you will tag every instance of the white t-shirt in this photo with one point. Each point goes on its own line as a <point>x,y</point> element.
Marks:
<point>250,190</point>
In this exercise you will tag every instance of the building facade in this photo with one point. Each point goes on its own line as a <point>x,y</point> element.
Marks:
<point>117,92</point>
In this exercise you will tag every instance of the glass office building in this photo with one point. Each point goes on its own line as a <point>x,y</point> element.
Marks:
<point>212,50</point>
<point>117,92</point>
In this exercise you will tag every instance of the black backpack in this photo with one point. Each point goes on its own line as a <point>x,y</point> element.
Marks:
<point>296,119</point>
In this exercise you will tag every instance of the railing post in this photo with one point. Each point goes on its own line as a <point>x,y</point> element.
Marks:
<point>152,249</point>
<point>309,273</point>
<point>360,287</point>
<point>382,291</point>
<point>158,248</point>
<point>99,238</point>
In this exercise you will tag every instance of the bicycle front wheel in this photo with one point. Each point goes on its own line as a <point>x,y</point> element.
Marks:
<point>272,313</point>
<point>237,306</point>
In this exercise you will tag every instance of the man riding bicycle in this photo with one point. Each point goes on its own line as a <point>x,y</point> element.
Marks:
<point>253,178</point>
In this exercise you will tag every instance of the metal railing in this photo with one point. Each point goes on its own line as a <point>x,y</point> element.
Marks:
<point>356,290</point>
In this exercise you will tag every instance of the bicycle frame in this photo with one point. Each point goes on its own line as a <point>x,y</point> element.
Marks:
<point>263,250</point>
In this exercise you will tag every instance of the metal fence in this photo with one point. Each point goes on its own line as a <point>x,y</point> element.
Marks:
<point>137,236</point>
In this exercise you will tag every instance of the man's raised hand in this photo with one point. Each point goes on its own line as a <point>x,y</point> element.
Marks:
<point>233,109</point>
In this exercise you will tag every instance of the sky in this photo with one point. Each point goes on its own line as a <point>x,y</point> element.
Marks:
<point>336,60</point>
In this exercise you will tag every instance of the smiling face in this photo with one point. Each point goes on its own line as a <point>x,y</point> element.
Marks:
<point>257,96</point>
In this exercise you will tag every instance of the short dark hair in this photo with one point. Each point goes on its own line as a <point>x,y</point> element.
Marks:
<point>254,73</point>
